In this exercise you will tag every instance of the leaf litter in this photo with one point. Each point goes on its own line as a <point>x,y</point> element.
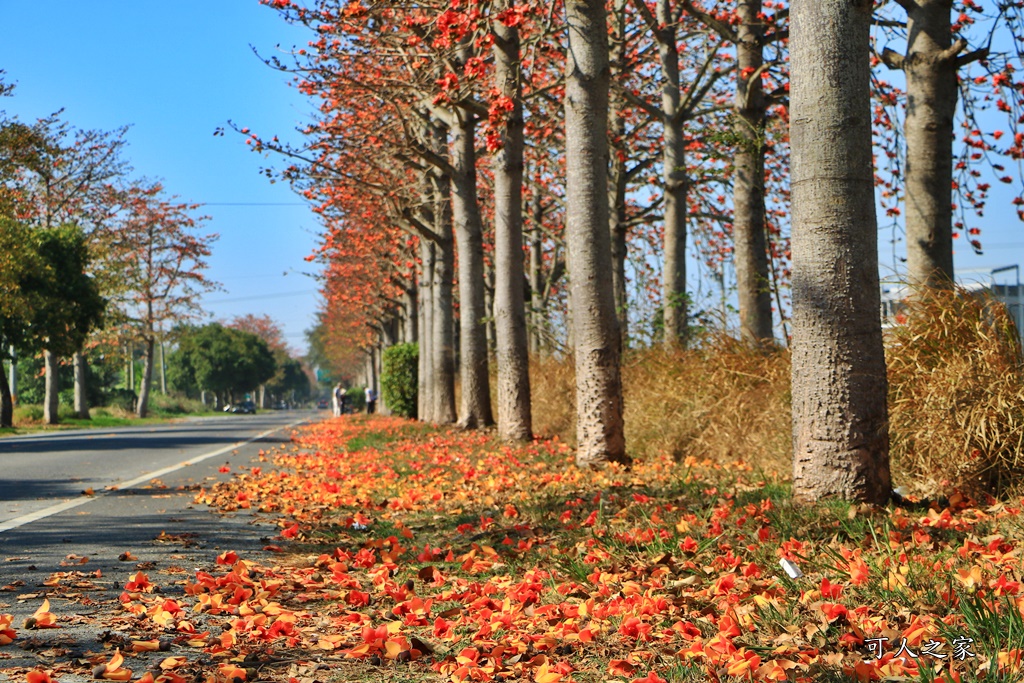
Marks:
<point>422,554</point>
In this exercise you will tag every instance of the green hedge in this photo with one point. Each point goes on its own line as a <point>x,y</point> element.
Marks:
<point>399,378</point>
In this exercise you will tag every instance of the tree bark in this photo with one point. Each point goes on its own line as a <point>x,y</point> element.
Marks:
<point>81,389</point>
<point>750,257</point>
<point>411,312</point>
<point>13,386</point>
<point>596,337</point>
<point>673,279</point>
<point>142,408</point>
<point>51,400</point>
<point>617,174</point>
<point>442,347</point>
<point>163,368</point>
<point>469,236</point>
<point>537,313</point>
<point>515,421</point>
<point>6,401</point>
<point>930,66</point>
<point>840,419</point>
<point>426,386</point>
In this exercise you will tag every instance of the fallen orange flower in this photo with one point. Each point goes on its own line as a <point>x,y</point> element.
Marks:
<point>112,670</point>
<point>37,676</point>
<point>43,617</point>
<point>7,634</point>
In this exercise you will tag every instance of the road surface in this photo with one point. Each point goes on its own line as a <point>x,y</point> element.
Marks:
<point>77,500</point>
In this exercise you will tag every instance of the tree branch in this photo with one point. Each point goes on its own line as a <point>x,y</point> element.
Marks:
<point>720,27</point>
<point>892,59</point>
<point>974,56</point>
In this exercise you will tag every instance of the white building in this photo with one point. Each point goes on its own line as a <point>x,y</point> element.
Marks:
<point>1002,284</point>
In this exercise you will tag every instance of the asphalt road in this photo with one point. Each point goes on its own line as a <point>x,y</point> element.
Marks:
<point>75,501</point>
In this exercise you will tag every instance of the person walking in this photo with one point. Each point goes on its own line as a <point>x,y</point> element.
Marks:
<point>371,400</point>
<point>342,400</point>
<point>336,400</point>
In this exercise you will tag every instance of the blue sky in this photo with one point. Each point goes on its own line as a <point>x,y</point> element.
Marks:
<point>176,72</point>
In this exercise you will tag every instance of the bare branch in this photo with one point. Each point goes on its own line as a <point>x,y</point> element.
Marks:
<point>892,59</point>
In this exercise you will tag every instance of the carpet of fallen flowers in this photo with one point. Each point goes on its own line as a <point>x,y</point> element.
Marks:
<point>410,553</point>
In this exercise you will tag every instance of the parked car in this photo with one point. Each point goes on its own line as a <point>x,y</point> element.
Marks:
<point>245,408</point>
<point>323,404</point>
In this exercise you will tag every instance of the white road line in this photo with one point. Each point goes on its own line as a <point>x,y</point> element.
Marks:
<point>71,504</point>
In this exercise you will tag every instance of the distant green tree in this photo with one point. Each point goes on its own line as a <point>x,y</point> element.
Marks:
<point>398,378</point>
<point>290,381</point>
<point>19,260</point>
<point>69,302</point>
<point>221,360</point>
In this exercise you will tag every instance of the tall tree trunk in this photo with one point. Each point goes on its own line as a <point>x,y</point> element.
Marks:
<point>673,278</point>
<point>444,316</point>
<point>617,174</point>
<point>6,401</point>
<point>840,419</point>
<point>750,257</point>
<point>81,389</point>
<point>426,405</point>
<point>596,337</point>
<point>469,236</point>
<point>515,422</point>
<point>537,313</point>
<point>378,362</point>
<point>51,399</point>
<point>411,312</point>
<point>14,377</point>
<point>142,408</point>
<point>930,66</point>
<point>163,368</point>
<point>490,331</point>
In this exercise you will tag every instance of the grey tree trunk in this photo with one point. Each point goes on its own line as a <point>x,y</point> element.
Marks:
<point>537,317</point>
<point>442,348</point>
<point>840,419</point>
<point>515,422</point>
<point>596,337</point>
<point>52,384</point>
<point>930,66</point>
<point>81,395</point>
<point>163,368</point>
<point>14,378</point>
<point>617,174</point>
<point>411,313</point>
<point>145,386</point>
<point>469,236</point>
<point>673,278</point>
<point>750,255</point>
<point>425,403</point>
<point>490,332</point>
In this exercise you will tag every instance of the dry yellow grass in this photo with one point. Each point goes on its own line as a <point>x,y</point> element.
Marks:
<point>956,400</point>
<point>720,400</point>
<point>956,396</point>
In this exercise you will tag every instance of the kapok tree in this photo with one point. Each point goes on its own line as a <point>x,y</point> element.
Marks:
<point>959,58</point>
<point>164,259</point>
<point>596,338</point>
<point>840,420</point>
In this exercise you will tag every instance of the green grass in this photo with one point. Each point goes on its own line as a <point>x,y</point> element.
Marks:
<point>101,419</point>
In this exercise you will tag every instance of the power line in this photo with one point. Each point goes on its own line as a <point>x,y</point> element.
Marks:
<point>256,297</point>
<point>254,204</point>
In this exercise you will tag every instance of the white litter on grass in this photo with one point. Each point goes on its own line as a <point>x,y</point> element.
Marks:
<point>791,569</point>
<point>359,527</point>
